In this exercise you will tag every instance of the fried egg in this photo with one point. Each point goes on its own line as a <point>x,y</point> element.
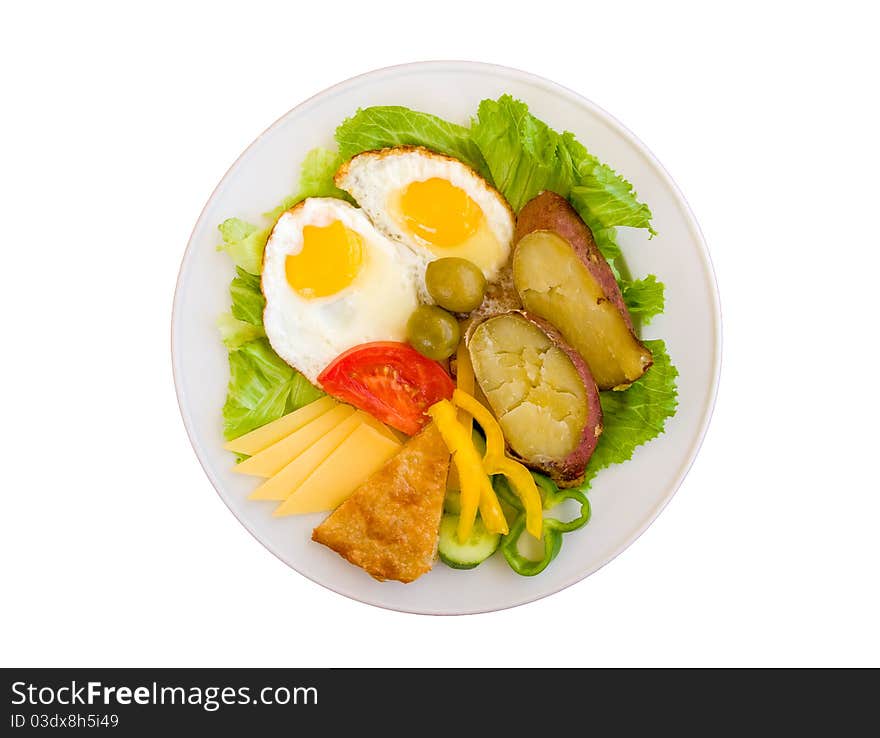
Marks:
<point>434,204</point>
<point>332,281</point>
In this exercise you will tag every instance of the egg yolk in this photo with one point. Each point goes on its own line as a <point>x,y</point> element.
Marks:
<point>330,258</point>
<point>439,213</point>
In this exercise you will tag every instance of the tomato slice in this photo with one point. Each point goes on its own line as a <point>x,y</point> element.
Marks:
<point>391,381</point>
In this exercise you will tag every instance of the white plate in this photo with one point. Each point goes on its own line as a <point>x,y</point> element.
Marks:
<point>625,498</point>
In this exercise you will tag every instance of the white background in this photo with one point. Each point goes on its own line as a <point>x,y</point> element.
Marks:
<point>118,121</point>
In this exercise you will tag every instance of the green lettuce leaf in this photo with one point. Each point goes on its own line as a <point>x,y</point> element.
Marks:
<point>601,196</point>
<point>606,240</point>
<point>261,388</point>
<point>605,200</point>
<point>636,415</point>
<point>524,155</point>
<point>247,299</point>
<point>315,180</point>
<point>643,297</point>
<point>316,174</point>
<point>391,125</point>
<point>235,332</point>
<point>244,243</point>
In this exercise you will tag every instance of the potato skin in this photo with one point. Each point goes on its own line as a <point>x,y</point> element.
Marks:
<point>568,471</point>
<point>551,212</point>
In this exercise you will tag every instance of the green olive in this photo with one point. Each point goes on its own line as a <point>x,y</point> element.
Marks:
<point>433,332</point>
<point>455,284</point>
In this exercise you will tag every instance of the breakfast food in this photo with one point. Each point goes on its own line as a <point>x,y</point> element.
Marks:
<point>436,205</point>
<point>361,453</point>
<point>303,470</point>
<point>331,282</point>
<point>561,276</point>
<point>269,434</point>
<point>388,526</point>
<point>271,460</point>
<point>541,391</point>
<point>408,357</point>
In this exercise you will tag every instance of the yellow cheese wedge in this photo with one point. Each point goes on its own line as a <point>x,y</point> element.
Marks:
<point>378,425</point>
<point>263,437</point>
<point>273,459</point>
<point>280,486</point>
<point>342,472</point>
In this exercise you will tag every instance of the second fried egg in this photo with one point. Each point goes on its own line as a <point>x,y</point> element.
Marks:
<point>434,204</point>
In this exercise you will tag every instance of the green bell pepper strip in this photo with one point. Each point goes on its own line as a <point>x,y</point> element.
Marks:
<point>553,528</point>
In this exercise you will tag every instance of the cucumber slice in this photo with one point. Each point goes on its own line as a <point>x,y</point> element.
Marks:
<point>479,547</point>
<point>452,502</point>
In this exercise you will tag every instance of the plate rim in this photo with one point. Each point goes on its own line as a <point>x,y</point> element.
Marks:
<point>707,410</point>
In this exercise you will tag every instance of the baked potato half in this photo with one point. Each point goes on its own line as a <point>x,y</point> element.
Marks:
<point>540,390</point>
<point>562,277</point>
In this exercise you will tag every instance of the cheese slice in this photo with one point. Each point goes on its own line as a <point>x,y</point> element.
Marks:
<point>273,459</point>
<point>282,484</point>
<point>352,463</point>
<point>263,437</point>
<point>378,425</point>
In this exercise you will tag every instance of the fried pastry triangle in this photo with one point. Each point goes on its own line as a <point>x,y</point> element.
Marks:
<point>388,526</point>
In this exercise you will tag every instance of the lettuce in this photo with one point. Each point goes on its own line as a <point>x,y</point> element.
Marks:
<point>606,240</point>
<point>524,155</point>
<point>244,321</point>
<point>261,388</point>
<point>601,196</point>
<point>315,180</point>
<point>316,174</point>
<point>643,297</point>
<point>235,332</point>
<point>606,200</point>
<point>392,125</point>
<point>247,299</point>
<point>244,243</point>
<point>636,415</point>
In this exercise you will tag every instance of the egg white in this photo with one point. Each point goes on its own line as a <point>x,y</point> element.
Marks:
<point>309,333</point>
<point>375,179</point>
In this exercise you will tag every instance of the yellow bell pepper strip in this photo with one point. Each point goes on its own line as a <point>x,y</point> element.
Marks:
<point>490,508</point>
<point>497,462</point>
<point>465,381</point>
<point>463,455</point>
<point>476,488</point>
<point>524,486</point>
<point>494,436</point>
